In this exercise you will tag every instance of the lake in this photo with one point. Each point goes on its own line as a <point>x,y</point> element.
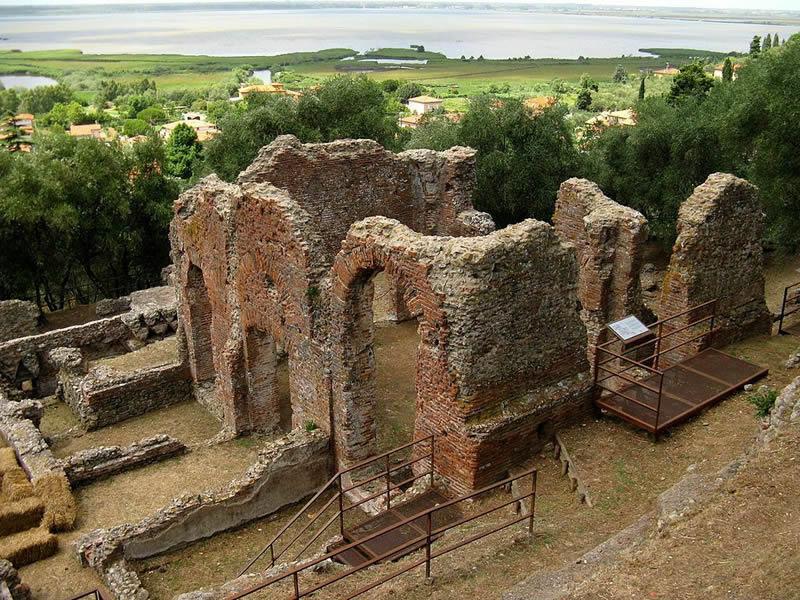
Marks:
<point>229,31</point>
<point>25,81</point>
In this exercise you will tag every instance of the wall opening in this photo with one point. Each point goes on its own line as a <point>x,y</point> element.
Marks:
<point>269,404</point>
<point>198,335</point>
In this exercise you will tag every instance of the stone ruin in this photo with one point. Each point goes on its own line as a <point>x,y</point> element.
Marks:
<point>284,261</point>
<point>609,242</point>
<point>718,255</point>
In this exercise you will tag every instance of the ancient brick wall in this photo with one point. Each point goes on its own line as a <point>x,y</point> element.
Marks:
<point>259,267</point>
<point>718,254</point>
<point>502,347</point>
<point>345,181</point>
<point>18,318</point>
<point>609,241</point>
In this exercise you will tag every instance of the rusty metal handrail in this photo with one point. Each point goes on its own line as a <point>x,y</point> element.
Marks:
<point>786,300</point>
<point>337,482</point>
<point>94,594</point>
<point>656,342</point>
<point>427,538</point>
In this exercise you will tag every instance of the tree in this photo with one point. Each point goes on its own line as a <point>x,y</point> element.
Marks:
<point>755,46</point>
<point>522,158</point>
<point>182,151</point>
<point>42,99</point>
<point>154,115</point>
<point>776,41</point>
<point>641,89</point>
<point>584,99</point>
<point>727,70</point>
<point>692,81</point>
<point>90,212</point>
<point>134,127</point>
<point>767,43</point>
<point>108,91</point>
<point>620,75</point>
<point>409,90</point>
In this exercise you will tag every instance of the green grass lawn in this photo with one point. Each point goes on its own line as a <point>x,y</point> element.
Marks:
<point>452,78</point>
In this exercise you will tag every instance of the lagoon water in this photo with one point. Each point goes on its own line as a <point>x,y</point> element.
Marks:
<point>27,82</point>
<point>230,31</point>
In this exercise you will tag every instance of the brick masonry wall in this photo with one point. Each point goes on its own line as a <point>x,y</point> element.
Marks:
<point>609,240</point>
<point>718,254</point>
<point>18,318</point>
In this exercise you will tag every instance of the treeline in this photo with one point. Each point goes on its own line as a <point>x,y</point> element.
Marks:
<point>80,218</point>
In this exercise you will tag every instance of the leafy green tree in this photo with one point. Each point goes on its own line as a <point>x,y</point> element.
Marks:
<point>776,41</point>
<point>641,88</point>
<point>584,99</point>
<point>65,115</point>
<point>767,43</point>
<point>90,213</point>
<point>755,46</point>
<point>182,151</point>
<point>134,127</point>
<point>692,81</point>
<point>727,70</point>
<point>390,85</point>
<point>409,90</point>
<point>9,102</point>
<point>620,75</point>
<point>108,91</point>
<point>522,158</point>
<point>154,115</point>
<point>42,99</point>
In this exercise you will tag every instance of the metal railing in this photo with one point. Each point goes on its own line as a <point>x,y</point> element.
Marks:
<point>423,541</point>
<point>615,364</point>
<point>92,595</point>
<point>340,485</point>
<point>790,304</point>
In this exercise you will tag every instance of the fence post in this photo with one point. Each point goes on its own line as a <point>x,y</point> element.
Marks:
<point>388,485</point>
<point>428,545</point>
<point>271,555</point>
<point>341,506</point>
<point>783,309</point>
<point>533,502</point>
<point>658,346</point>
<point>432,454</point>
<point>658,406</point>
<point>711,327</point>
<point>296,585</point>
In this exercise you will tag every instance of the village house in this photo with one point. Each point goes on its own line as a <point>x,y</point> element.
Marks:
<point>204,130</point>
<point>423,104</point>
<point>266,88</point>
<point>613,118</point>
<point>539,103</point>
<point>91,130</point>
<point>668,71</point>
<point>718,69</point>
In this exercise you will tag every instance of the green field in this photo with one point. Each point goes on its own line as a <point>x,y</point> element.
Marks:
<point>454,77</point>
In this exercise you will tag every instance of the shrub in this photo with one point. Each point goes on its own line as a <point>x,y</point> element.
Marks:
<point>310,426</point>
<point>764,399</point>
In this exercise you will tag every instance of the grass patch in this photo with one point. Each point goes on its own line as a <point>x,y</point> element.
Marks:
<point>763,400</point>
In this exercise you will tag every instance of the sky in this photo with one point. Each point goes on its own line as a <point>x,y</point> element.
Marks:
<point>707,4</point>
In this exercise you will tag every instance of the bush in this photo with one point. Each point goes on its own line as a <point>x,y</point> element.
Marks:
<point>764,399</point>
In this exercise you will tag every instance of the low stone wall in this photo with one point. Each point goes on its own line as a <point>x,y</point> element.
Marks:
<point>18,318</point>
<point>105,461</point>
<point>104,396</point>
<point>152,316</point>
<point>11,586</point>
<point>287,471</point>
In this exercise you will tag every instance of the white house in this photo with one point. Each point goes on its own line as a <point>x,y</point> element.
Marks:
<point>420,105</point>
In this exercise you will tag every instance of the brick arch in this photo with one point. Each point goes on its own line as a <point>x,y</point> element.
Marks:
<point>352,355</point>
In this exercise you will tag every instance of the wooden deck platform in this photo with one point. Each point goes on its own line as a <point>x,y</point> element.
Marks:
<point>688,387</point>
<point>383,544</point>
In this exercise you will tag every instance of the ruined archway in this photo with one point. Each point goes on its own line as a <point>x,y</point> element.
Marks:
<point>198,338</point>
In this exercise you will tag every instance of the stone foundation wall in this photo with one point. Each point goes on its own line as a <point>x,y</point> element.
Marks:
<point>24,362</point>
<point>104,461</point>
<point>104,396</point>
<point>18,318</point>
<point>718,254</point>
<point>609,240</point>
<point>291,469</point>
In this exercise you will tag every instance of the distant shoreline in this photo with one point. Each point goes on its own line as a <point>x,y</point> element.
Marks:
<point>734,16</point>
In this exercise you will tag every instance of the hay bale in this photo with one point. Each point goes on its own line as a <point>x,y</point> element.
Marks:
<point>20,515</point>
<point>15,485</point>
<point>28,546</point>
<point>8,460</point>
<point>60,510</point>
